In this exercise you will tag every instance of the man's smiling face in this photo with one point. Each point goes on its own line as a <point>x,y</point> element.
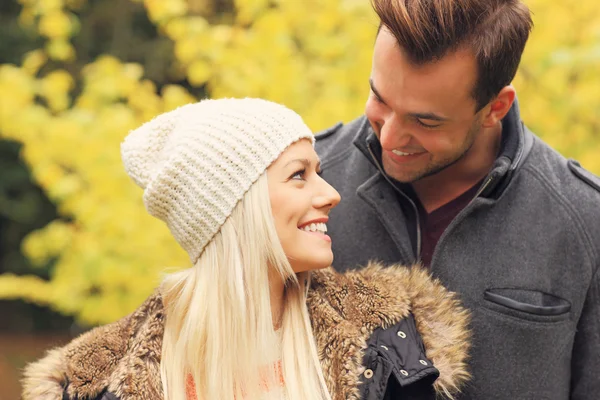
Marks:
<point>424,115</point>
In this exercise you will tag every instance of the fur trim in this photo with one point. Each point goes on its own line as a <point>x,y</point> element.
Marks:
<point>444,327</point>
<point>122,356</point>
<point>345,310</point>
<point>44,379</point>
<point>138,374</point>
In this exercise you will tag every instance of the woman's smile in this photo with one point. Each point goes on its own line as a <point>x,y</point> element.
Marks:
<point>316,228</point>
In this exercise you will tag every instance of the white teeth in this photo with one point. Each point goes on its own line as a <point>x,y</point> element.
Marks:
<point>400,153</point>
<point>315,227</point>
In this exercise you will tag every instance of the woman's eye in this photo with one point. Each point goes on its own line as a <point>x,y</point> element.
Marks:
<point>298,175</point>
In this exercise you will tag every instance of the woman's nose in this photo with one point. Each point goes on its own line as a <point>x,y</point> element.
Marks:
<point>329,197</point>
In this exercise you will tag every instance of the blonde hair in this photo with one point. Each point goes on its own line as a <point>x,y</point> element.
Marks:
<point>219,327</point>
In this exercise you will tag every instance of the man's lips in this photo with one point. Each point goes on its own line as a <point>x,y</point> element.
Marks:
<point>401,159</point>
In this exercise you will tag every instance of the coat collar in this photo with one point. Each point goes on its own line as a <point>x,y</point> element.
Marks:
<point>345,309</point>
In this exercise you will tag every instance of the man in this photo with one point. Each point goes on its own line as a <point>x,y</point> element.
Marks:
<point>441,170</point>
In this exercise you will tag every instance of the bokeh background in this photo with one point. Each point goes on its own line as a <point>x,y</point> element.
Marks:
<point>77,248</point>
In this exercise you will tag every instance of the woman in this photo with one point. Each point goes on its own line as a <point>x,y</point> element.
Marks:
<point>237,182</point>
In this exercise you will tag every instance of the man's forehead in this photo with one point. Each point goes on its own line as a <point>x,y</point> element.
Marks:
<point>443,82</point>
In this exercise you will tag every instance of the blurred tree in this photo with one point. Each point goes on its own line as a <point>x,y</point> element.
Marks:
<point>50,86</point>
<point>23,208</point>
<point>103,69</point>
<point>23,204</point>
<point>558,80</point>
<point>16,41</point>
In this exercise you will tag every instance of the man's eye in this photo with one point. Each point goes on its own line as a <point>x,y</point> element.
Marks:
<point>424,125</point>
<point>377,98</point>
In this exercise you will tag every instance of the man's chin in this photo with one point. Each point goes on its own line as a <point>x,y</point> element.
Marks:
<point>402,176</point>
<point>409,177</point>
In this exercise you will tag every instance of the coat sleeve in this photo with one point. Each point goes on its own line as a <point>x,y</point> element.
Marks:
<point>81,368</point>
<point>585,364</point>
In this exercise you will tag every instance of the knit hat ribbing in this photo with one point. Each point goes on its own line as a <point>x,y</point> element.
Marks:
<point>196,163</point>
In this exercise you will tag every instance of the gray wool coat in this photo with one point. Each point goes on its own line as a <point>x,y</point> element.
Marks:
<point>523,256</point>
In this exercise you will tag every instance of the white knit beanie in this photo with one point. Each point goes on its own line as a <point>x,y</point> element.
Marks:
<point>196,163</point>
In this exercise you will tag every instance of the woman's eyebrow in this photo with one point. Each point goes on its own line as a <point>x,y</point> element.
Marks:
<point>304,161</point>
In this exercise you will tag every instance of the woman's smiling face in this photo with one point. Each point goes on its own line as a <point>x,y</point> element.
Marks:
<point>300,202</point>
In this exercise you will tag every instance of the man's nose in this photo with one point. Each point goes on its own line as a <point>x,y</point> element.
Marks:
<point>393,135</point>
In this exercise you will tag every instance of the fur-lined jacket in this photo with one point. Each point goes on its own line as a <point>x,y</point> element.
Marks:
<point>381,333</point>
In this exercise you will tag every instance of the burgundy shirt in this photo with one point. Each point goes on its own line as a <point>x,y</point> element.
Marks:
<point>434,224</point>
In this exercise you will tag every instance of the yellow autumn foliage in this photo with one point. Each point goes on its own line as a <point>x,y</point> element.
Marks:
<point>312,55</point>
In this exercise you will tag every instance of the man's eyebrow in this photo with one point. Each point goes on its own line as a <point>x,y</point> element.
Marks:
<point>375,90</point>
<point>429,116</point>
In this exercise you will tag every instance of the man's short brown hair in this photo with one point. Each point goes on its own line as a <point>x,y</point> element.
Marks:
<point>494,30</point>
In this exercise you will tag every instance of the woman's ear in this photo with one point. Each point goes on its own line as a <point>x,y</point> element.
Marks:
<point>499,106</point>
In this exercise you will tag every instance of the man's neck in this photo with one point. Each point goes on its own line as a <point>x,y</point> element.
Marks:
<point>437,190</point>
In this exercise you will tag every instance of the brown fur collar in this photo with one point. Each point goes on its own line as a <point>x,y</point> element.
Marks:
<point>345,308</point>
